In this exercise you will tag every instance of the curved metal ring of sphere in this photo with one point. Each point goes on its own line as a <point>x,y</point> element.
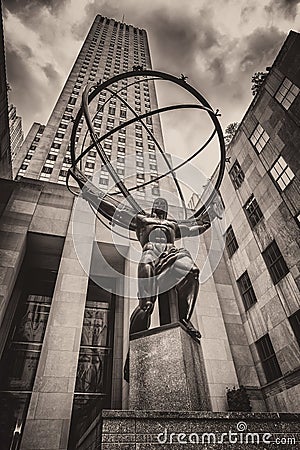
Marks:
<point>88,97</point>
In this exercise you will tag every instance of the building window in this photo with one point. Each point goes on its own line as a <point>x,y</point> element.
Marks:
<point>287,93</point>
<point>246,291</point>
<point>259,138</point>
<point>103,181</point>
<point>281,173</point>
<point>52,157</point>
<point>72,101</point>
<point>21,355</point>
<point>94,369</point>
<point>237,175</point>
<point>231,242</point>
<point>253,211</point>
<point>268,358</point>
<point>47,169</point>
<point>295,324</point>
<point>275,263</point>
<point>155,190</point>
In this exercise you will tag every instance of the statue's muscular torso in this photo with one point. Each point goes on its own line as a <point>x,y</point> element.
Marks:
<point>153,229</point>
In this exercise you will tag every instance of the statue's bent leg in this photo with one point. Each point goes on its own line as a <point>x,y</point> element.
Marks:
<point>187,295</point>
<point>140,318</point>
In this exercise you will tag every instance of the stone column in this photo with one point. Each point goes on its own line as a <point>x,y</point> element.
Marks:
<point>14,225</point>
<point>49,415</point>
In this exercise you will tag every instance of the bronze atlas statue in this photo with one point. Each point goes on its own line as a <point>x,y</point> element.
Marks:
<point>163,266</point>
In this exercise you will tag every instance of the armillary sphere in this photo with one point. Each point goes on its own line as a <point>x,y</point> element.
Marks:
<point>137,76</point>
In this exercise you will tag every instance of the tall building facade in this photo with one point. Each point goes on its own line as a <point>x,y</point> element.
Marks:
<point>27,150</point>
<point>261,192</point>
<point>64,315</point>
<point>110,48</point>
<point>5,157</point>
<point>15,131</point>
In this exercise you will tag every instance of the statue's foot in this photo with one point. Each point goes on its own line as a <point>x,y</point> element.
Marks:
<point>126,368</point>
<point>139,321</point>
<point>193,332</point>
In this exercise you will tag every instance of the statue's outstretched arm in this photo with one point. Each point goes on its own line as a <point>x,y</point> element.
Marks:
<point>99,200</point>
<point>106,205</point>
<point>184,230</point>
<point>201,224</point>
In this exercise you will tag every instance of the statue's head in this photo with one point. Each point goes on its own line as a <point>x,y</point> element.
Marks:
<point>160,208</point>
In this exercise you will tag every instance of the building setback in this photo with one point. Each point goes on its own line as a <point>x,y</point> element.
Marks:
<point>15,131</point>
<point>64,339</point>
<point>27,150</point>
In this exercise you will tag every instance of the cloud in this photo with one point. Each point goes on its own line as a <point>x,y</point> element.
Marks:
<point>179,40</point>
<point>217,67</point>
<point>286,7</point>
<point>261,48</point>
<point>50,72</point>
<point>218,45</point>
<point>27,88</point>
<point>246,12</point>
<point>27,9</point>
<point>105,8</point>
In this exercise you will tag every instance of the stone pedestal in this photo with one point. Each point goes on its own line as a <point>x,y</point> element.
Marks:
<point>161,430</point>
<point>167,371</point>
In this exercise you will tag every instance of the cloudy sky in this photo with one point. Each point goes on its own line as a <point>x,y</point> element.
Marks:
<point>218,44</point>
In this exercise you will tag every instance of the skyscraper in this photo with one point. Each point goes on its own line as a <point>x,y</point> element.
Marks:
<point>110,48</point>
<point>5,157</point>
<point>27,150</point>
<point>15,131</point>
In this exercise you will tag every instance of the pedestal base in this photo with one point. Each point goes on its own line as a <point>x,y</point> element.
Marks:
<point>167,371</point>
<point>154,430</point>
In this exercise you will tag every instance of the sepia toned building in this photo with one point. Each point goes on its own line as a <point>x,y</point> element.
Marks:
<point>64,316</point>
<point>5,156</point>
<point>15,130</point>
<point>261,193</point>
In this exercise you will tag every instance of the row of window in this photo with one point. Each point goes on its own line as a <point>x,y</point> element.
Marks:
<point>280,172</point>
<point>267,354</point>
<point>31,151</point>
<point>274,261</point>
<point>48,167</point>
